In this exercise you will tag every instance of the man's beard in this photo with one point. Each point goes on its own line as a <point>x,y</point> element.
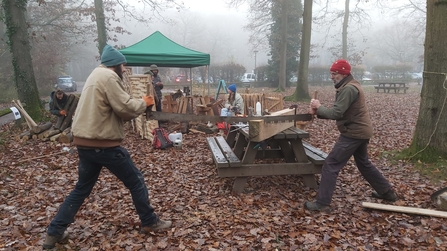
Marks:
<point>118,71</point>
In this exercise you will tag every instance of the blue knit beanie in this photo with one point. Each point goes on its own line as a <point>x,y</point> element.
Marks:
<point>232,87</point>
<point>111,57</point>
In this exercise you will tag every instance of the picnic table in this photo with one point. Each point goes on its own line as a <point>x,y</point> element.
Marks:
<point>397,87</point>
<point>236,155</point>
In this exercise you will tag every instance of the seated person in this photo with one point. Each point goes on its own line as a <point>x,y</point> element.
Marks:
<point>58,100</point>
<point>234,103</point>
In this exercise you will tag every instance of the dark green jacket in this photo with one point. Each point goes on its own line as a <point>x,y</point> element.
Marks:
<point>56,105</point>
<point>349,110</point>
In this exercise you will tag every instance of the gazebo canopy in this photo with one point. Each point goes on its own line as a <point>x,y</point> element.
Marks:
<point>162,51</point>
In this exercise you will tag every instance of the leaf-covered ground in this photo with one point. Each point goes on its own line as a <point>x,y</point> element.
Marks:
<point>185,188</point>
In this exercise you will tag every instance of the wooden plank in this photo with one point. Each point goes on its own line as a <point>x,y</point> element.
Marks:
<point>298,151</point>
<point>407,210</point>
<point>270,169</point>
<point>218,156</point>
<point>232,159</point>
<point>314,149</point>
<point>239,184</point>
<point>287,151</point>
<point>259,130</point>
<point>301,133</point>
<point>314,158</point>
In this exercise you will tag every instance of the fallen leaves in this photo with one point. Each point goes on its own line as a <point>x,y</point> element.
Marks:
<point>184,187</point>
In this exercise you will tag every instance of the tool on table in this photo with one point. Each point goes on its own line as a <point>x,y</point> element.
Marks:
<point>235,119</point>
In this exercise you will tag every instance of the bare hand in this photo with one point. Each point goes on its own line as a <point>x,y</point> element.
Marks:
<point>315,103</point>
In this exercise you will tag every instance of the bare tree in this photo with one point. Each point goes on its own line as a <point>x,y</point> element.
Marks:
<point>283,46</point>
<point>302,88</point>
<point>351,20</point>
<point>17,32</point>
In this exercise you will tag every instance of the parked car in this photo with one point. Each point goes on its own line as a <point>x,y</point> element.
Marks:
<point>200,81</point>
<point>66,83</point>
<point>182,79</point>
<point>248,77</point>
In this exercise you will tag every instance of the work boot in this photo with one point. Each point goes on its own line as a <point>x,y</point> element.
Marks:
<point>159,225</point>
<point>51,240</point>
<point>315,206</point>
<point>389,196</point>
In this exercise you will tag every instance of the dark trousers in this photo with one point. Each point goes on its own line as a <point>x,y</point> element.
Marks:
<point>343,149</point>
<point>91,161</point>
<point>158,105</point>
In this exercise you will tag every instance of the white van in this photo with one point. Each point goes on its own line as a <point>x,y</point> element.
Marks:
<point>248,77</point>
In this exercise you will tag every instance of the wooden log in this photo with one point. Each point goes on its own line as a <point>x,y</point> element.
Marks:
<point>259,130</point>
<point>43,156</point>
<point>41,128</point>
<point>408,210</point>
<point>55,137</point>
<point>29,121</point>
<point>69,101</point>
<point>196,131</point>
<point>27,133</point>
<point>70,112</point>
<point>50,133</point>
<point>40,136</point>
<point>66,137</point>
<point>67,130</point>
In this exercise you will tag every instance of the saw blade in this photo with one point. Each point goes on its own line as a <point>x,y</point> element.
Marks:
<point>208,118</point>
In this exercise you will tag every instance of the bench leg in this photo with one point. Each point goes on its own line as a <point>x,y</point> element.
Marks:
<point>309,181</point>
<point>239,184</point>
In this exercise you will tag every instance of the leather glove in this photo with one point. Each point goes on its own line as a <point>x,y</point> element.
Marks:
<point>149,100</point>
<point>63,112</point>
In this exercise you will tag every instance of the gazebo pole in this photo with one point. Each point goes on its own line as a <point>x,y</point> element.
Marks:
<point>190,79</point>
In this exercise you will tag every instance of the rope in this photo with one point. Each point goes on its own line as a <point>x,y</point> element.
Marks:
<point>439,117</point>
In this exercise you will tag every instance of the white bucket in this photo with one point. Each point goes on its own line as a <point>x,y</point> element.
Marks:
<point>177,143</point>
<point>176,139</point>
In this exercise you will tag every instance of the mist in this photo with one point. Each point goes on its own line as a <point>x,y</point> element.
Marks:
<point>383,37</point>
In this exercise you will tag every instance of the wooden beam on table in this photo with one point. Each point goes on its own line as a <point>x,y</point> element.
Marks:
<point>259,130</point>
<point>407,210</point>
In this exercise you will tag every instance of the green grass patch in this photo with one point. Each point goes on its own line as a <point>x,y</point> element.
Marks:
<point>427,163</point>
<point>5,111</point>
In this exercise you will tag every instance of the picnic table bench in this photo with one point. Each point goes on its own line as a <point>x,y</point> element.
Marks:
<point>236,155</point>
<point>397,87</point>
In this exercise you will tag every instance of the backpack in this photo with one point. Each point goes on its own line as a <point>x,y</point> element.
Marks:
<point>161,139</point>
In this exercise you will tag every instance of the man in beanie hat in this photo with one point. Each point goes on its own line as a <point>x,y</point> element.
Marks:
<point>235,102</point>
<point>98,130</point>
<point>158,86</point>
<point>353,121</point>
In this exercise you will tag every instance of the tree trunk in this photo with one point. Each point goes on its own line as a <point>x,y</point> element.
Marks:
<point>302,88</point>
<point>345,31</point>
<point>283,47</point>
<point>100,25</point>
<point>17,31</point>
<point>431,129</point>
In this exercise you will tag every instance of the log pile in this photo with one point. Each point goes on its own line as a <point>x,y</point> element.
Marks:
<point>61,132</point>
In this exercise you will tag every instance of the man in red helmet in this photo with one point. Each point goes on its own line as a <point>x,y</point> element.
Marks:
<point>353,121</point>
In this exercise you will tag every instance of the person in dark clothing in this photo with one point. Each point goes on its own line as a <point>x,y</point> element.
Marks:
<point>58,100</point>
<point>158,86</point>
<point>353,121</point>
